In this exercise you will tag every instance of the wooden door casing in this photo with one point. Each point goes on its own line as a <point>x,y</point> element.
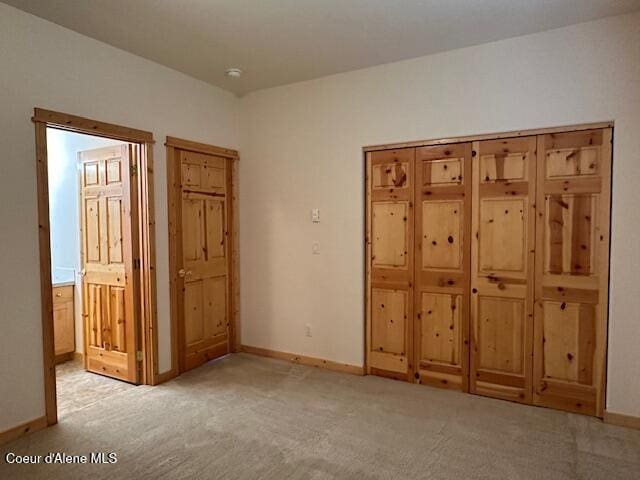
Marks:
<point>502,268</point>
<point>442,263</point>
<point>390,184</point>
<point>572,270</point>
<point>203,281</point>
<point>108,213</point>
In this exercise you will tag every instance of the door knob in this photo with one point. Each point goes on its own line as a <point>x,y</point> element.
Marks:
<point>183,273</point>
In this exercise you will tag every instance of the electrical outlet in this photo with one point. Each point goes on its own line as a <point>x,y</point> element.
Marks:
<point>315,248</point>
<point>307,330</point>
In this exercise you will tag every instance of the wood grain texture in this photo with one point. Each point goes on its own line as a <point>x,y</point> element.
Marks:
<point>488,136</point>
<point>304,360</point>
<point>502,268</point>
<point>175,246</point>
<point>539,263</point>
<point>109,217</point>
<point>368,171</point>
<point>203,220</point>
<point>46,290</point>
<point>190,146</point>
<point>147,228</point>
<point>390,262</point>
<point>63,323</point>
<point>572,270</point>
<point>23,429</point>
<point>74,123</point>
<point>165,376</point>
<point>621,420</point>
<point>442,265</point>
<point>234,267</point>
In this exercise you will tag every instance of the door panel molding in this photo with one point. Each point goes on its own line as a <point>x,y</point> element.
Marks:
<point>110,287</point>
<point>442,259</point>
<point>389,263</point>
<point>502,268</point>
<point>204,178</point>
<point>144,250</point>
<point>535,279</point>
<point>572,270</point>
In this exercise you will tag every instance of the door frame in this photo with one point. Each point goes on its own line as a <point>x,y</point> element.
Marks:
<point>175,145</point>
<point>144,250</point>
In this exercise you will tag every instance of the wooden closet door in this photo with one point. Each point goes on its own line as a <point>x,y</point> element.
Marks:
<point>572,270</point>
<point>502,270</point>
<point>203,275</point>
<point>390,269</point>
<point>442,264</point>
<point>107,241</point>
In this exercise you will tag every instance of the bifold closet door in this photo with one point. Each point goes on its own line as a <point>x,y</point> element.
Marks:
<point>572,270</point>
<point>502,268</point>
<point>390,252</point>
<point>442,242</point>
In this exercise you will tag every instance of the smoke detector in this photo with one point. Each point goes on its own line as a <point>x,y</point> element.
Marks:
<point>234,72</point>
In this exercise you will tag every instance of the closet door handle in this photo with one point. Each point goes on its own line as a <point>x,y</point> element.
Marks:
<point>184,273</point>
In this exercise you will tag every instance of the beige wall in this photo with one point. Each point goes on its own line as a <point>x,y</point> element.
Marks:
<point>47,66</point>
<point>301,149</point>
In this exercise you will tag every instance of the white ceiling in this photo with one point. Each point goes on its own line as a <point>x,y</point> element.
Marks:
<point>277,42</point>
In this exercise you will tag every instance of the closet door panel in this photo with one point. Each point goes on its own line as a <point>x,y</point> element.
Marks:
<point>502,268</point>
<point>572,270</point>
<point>390,217</point>
<point>442,239</point>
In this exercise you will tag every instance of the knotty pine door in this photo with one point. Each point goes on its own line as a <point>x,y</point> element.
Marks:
<point>488,266</point>
<point>203,275</point>
<point>390,179</point>
<point>107,217</point>
<point>502,267</point>
<point>572,270</point>
<point>442,249</point>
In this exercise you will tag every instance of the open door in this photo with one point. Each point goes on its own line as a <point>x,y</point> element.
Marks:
<point>109,286</point>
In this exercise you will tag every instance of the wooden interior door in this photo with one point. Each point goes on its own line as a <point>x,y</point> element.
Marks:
<point>203,280</point>
<point>108,215</point>
<point>502,271</point>
<point>572,270</point>
<point>442,264</point>
<point>390,270</point>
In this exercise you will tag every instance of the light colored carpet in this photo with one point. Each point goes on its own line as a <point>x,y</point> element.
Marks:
<point>77,389</point>
<point>246,417</point>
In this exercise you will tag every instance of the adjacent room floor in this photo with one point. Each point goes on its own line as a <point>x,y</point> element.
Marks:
<point>77,389</point>
<point>246,417</point>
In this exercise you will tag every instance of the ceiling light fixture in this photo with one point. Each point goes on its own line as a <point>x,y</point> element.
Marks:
<point>234,72</point>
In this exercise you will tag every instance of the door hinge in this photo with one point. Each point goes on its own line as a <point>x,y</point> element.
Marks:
<point>139,356</point>
<point>136,264</point>
<point>134,170</point>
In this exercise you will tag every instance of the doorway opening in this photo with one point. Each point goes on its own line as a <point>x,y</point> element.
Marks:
<point>97,261</point>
